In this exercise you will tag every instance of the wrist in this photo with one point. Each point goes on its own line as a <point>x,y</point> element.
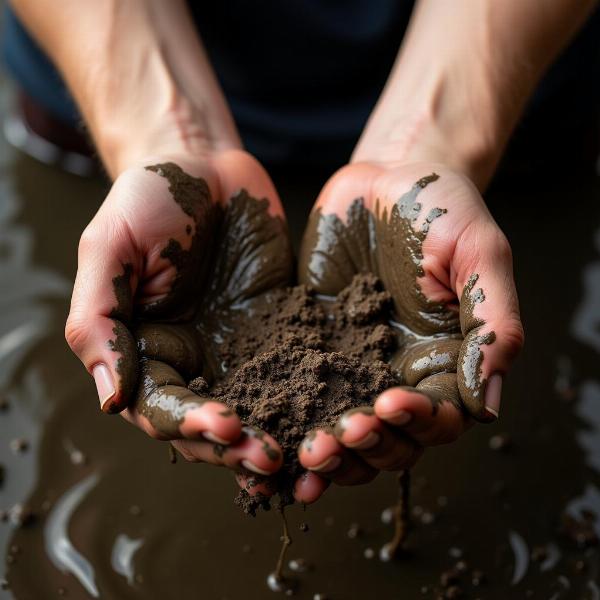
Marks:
<point>423,136</point>
<point>179,129</point>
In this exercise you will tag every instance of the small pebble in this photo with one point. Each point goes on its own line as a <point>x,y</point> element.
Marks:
<point>303,527</point>
<point>320,597</point>
<point>369,553</point>
<point>19,445</point>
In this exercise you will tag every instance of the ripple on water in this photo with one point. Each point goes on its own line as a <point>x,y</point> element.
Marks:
<point>61,551</point>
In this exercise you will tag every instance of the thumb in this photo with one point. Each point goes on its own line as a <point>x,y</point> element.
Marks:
<point>489,319</point>
<point>101,306</point>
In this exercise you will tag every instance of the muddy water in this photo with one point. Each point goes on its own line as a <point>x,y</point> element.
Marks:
<point>111,517</point>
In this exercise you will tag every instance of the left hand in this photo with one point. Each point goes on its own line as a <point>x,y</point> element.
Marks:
<point>436,244</point>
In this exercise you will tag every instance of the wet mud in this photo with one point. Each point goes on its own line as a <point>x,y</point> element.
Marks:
<point>91,507</point>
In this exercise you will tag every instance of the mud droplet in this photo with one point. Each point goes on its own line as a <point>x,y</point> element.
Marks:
<point>501,442</point>
<point>387,515</point>
<point>21,516</point>
<point>299,565</point>
<point>354,531</point>
<point>279,584</point>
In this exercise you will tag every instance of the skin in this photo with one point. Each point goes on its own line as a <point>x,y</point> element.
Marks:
<point>148,95</point>
<point>392,436</point>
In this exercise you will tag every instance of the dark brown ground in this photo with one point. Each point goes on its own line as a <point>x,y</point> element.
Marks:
<point>297,362</point>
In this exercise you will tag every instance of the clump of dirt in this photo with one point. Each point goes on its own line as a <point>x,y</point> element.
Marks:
<point>295,362</point>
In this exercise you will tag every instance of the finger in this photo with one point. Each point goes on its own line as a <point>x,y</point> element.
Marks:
<point>321,453</point>
<point>330,255</point>
<point>166,409</point>
<point>439,355</point>
<point>255,451</point>
<point>253,214</point>
<point>430,413</point>
<point>377,444</point>
<point>174,344</point>
<point>309,487</point>
<point>489,319</point>
<point>100,308</point>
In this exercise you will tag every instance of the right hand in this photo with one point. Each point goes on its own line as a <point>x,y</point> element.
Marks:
<point>146,258</point>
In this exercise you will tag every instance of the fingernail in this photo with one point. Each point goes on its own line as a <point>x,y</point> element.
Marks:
<point>401,417</point>
<point>250,466</point>
<point>493,394</point>
<point>211,437</point>
<point>371,439</point>
<point>331,464</point>
<point>104,384</point>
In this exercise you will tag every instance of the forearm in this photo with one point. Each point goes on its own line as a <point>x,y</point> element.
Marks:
<point>461,80</point>
<point>138,73</point>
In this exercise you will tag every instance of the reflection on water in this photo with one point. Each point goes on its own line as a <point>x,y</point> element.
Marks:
<point>122,556</point>
<point>59,548</point>
<point>521,554</point>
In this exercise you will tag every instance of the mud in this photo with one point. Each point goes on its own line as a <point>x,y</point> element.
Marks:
<point>296,363</point>
<point>494,507</point>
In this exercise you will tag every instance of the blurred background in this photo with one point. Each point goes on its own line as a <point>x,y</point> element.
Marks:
<point>90,508</point>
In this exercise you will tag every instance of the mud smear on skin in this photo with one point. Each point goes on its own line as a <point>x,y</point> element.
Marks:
<point>466,498</point>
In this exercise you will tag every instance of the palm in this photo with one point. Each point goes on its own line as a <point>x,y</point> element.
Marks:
<point>207,255</point>
<point>371,220</point>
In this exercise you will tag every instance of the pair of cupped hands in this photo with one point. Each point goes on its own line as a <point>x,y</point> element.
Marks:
<point>139,218</point>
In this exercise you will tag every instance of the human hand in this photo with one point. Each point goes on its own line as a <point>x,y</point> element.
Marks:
<point>431,240</point>
<point>157,264</point>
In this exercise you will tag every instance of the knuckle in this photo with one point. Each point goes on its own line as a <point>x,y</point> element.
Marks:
<point>77,332</point>
<point>501,246</point>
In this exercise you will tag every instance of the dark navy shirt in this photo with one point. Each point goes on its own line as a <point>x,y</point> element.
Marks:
<point>300,76</point>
